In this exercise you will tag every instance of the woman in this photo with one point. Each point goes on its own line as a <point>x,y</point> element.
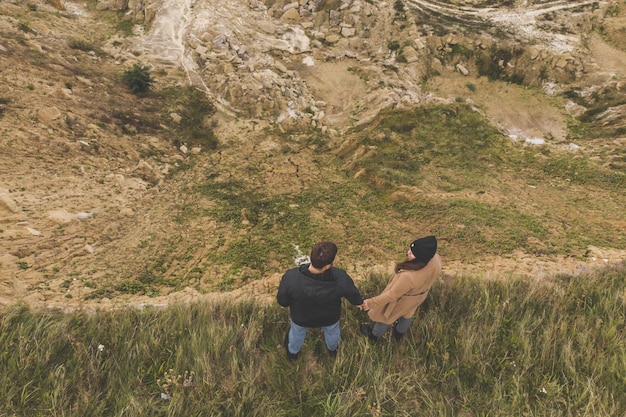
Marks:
<point>406,291</point>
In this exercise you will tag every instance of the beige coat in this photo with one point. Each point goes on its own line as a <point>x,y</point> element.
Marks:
<point>406,291</point>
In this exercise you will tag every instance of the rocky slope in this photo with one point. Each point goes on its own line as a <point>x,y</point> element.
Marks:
<point>93,178</point>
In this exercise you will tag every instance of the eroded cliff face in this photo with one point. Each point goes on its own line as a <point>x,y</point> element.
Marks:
<point>263,60</point>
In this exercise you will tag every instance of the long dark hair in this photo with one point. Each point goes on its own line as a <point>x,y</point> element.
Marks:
<point>413,265</point>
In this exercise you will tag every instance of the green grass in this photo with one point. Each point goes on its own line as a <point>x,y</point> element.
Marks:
<point>406,145</point>
<point>194,107</point>
<point>447,162</point>
<point>274,224</point>
<point>505,347</point>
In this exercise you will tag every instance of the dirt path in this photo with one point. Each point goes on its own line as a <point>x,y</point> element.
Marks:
<point>611,61</point>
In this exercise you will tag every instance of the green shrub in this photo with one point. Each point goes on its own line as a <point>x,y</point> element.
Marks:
<point>80,45</point>
<point>138,78</point>
<point>194,108</point>
<point>394,45</point>
<point>24,27</point>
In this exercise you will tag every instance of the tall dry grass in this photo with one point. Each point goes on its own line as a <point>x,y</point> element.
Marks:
<point>508,347</point>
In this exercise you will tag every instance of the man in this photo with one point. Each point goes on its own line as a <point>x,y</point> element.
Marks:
<point>313,293</point>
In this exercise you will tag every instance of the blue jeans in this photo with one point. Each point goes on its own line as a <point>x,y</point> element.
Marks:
<point>402,326</point>
<point>332,336</point>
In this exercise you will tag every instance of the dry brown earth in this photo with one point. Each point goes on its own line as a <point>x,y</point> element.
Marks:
<point>80,197</point>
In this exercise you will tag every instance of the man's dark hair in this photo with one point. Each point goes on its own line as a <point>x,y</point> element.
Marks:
<point>323,254</point>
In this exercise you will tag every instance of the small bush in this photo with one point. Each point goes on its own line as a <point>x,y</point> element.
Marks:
<point>393,45</point>
<point>126,27</point>
<point>80,45</point>
<point>138,78</point>
<point>24,27</point>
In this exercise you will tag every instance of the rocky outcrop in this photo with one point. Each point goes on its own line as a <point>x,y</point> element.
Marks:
<point>252,58</point>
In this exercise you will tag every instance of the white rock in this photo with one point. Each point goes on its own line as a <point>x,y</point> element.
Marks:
<point>84,215</point>
<point>33,232</point>
<point>460,68</point>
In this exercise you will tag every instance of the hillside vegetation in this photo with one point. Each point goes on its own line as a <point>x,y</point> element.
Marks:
<point>510,347</point>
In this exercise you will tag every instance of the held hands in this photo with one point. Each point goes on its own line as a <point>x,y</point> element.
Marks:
<point>364,306</point>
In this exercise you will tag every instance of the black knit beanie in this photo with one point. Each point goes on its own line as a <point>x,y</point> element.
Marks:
<point>424,248</point>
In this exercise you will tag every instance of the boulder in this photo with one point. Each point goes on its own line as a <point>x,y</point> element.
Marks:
<point>290,16</point>
<point>48,114</point>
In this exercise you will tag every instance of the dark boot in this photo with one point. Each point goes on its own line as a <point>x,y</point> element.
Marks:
<point>367,331</point>
<point>397,336</point>
<point>332,353</point>
<point>290,356</point>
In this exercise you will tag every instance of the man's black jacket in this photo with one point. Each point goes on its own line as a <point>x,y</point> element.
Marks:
<point>315,300</point>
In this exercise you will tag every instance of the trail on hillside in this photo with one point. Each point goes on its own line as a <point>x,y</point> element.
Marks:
<point>610,60</point>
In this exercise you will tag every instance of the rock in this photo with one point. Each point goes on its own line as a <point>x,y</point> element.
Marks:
<point>8,204</point>
<point>437,65</point>
<point>176,118</point>
<point>419,44</point>
<point>33,232</point>
<point>84,215</point>
<point>562,62</point>
<point>332,39</point>
<point>34,299</point>
<point>460,68</point>
<point>574,109</point>
<point>281,67</point>
<point>291,6</point>
<point>84,80</point>
<point>266,27</point>
<point>48,114</point>
<point>410,54</point>
<point>147,172</point>
<point>348,32</point>
<point>66,92</point>
<point>290,16</point>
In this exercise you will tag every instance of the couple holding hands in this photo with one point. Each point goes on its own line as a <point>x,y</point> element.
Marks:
<point>313,293</point>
